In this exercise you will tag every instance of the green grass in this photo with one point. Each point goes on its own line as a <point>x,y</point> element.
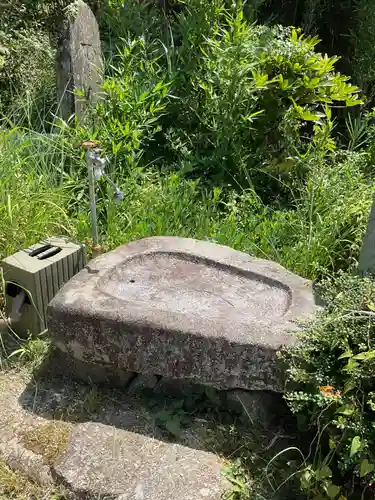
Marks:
<point>33,196</point>
<point>16,486</point>
<point>310,218</point>
<point>320,232</point>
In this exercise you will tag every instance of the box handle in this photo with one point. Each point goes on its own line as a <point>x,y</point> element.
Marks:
<point>49,253</point>
<point>39,250</point>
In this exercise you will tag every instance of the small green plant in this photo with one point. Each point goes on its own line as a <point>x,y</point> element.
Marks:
<point>331,377</point>
<point>136,96</point>
<point>32,351</point>
<point>178,413</point>
<point>240,479</point>
<point>173,418</point>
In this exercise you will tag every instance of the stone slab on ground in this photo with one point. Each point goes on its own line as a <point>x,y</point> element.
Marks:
<point>182,308</point>
<point>30,405</point>
<point>104,462</point>
<point>15,421</point>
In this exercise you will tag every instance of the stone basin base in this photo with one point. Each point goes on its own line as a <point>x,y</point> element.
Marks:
<point>262,408</point>
<point>182,308</point>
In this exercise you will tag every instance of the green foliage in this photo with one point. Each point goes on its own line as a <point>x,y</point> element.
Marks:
<point>331,380</point>
<point>135,96</point>
<point>173,418</point>
<point>47,15</point>
<point>208,93</point>
<point>31,352</point>
<point>121,20</point>
<point>27,70</point>
<point>253,98</point>
<point>363,41</point>
<point>326,227</point>
<point>227,100</point>
<point>345,28</point>
<point>33,202</point>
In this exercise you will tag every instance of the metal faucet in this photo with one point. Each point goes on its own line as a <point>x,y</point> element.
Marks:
<point>96,170</point>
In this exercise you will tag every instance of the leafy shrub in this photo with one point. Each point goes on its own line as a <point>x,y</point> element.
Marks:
<point>247,104</point>
<point>254,98</point>
<point>27,75</point>
<point>331,387</point>
<point>121,20</point>
<point>135,96</point>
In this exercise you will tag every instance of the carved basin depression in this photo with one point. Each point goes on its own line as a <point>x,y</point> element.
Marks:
<point>182,308</point>
<point>193,286</point>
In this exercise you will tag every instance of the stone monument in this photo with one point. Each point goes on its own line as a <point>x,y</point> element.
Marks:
<point>367,255</point>
<point>79,62</point>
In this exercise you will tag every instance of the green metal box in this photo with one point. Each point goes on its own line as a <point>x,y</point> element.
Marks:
<point>40,279</point>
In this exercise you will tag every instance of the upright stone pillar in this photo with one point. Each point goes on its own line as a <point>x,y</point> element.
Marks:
<point>367,255</point>
<point>79,62</point>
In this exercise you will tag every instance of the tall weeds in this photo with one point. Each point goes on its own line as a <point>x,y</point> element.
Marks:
<point>212,130</point>
<point>33,203</point>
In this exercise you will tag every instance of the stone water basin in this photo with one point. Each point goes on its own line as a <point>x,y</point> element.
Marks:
<point>189,285</point>
<point>182,308</point>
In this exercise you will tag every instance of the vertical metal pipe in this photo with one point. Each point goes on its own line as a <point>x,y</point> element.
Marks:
<point>94,219</point>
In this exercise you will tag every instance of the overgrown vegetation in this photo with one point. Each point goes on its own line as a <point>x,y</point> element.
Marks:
<point>222,128</point>
<point>346,28</point>
<point>332,372</point>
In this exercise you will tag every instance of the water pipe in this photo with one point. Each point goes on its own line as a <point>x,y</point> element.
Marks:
<point>95,164</point>
<point>95,167</point>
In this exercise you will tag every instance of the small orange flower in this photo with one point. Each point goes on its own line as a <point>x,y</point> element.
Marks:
<point>329,391</point>
<point>326,389</point>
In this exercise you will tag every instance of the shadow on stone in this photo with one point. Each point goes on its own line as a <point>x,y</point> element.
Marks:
<point>170,418</point>
<point>170,410</point>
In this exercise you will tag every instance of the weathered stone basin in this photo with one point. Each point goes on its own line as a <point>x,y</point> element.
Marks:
<point>184,284</point>
<point>182,308</point>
